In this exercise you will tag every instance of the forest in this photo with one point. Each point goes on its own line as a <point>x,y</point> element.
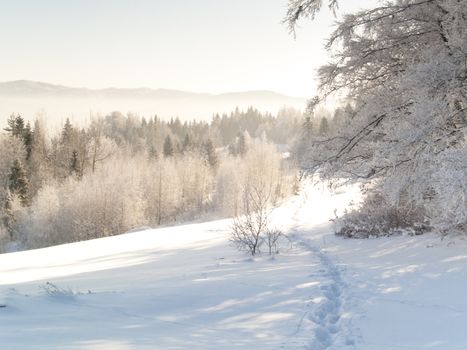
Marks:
<point>399,129</point>
<point>124,172</point>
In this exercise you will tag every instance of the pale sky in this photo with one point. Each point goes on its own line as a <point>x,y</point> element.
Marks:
<point>195,45</point>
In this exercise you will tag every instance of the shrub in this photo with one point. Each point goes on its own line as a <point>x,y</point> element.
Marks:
<point>376,217</point>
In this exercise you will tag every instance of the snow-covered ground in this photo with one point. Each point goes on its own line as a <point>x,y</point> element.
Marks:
<point>185,287</point>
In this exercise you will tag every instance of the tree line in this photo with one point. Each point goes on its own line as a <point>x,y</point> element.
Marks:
<point>123,172</point>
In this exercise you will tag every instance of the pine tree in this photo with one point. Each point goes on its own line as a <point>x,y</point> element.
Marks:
<point>210,154</point>
<point>153,154</point>
<point>11,122</point>
<point>323,126</point>
<point>18,182</point>
<point>15,125</point>
<point>168,147</point>
<point>27,138</point>
<point>8,218</point>
<point>75,168</point>
<point>305,141</point>
<point>187,144</point>
<point>241,145</point>
<point>307,128</point>
<point>67,133</point>
<point>38,165</point>
<point>233,149</point>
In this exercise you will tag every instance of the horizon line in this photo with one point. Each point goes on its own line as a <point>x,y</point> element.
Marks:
<point>153,89</point>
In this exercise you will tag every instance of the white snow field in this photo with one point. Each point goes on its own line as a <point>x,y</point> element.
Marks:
<point>185,287</point>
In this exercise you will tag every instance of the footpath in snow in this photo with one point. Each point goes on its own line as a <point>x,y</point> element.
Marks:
<point>186,287</point>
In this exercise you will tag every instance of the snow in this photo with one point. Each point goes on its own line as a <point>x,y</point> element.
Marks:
<point>186,287</point>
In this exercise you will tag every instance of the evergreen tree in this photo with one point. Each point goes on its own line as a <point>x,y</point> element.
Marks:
<point>11,122</point>
<point>241,145</point>
<point>8,218</point>
<point>38,164</point>
<point>304,142</point>
<point>168,147</point>
<point>67,133</point>
<point>18,182</point>
<point>153,154</point>
<point>210,154</point>
<point>75,168</point>
<point>15,125</point>
<point>233,149</point>
<point>187,144</point>
<point>307,128</point>
<point>27,138</point>
<point>323,126</point>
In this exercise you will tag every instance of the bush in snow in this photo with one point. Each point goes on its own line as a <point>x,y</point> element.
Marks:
<point>376,217</point>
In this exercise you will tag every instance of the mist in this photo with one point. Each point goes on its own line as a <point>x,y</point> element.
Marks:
<point>53,104</point>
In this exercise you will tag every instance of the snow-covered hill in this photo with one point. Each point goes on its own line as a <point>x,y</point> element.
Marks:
<point>185,287</point>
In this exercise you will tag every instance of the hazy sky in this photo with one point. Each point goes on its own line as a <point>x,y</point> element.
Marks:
<point>197,45</point>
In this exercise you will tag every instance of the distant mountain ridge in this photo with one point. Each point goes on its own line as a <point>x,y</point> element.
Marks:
<point>57,102</point>
<point>28,87</point>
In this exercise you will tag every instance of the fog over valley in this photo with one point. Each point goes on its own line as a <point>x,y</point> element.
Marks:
<point>54,103</point>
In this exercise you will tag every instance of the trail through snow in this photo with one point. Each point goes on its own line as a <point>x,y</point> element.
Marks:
<point>332,325</point>
<point>186,287</point>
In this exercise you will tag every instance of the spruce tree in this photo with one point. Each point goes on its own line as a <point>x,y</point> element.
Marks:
<point>323,126</point>
<point>241,145</point>
<point>8,218</point>
<point>27,138</point>
<point>18,182</point>
<point>305,141</point>
<point>15,125</point>
<point>210,154</point>
<point>67,133</point>
<point>153,154</point>
<point>307,128</point>
<point>187,144</point>
<point>19,127</point>
<point>233,149</point>
<point>11,122</point>
<point>75,168</point>
<point>168,147</point>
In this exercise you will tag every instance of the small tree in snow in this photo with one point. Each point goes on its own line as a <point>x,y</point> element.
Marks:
<point>253,229</point>
<point>248,230</point>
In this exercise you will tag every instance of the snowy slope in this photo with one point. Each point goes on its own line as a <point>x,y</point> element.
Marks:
<point>185,287</point>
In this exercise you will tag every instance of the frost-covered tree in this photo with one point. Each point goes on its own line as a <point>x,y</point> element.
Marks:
<point>75,168</point>
<point>195,183</point>
<point>403,67</point>
<point>87,208</point>
<point>259,188</point>
<point>38,163</point>
<point>7,215</point>
<point>168,147</point>
<point>105,179</point>
<point>323,126</point>
<point>18,182</point>
<point>249,229</point>
<point>161,191</point>
<point>298,9</point>
<point>260,168</point>
<point>210,154</point>
<point>303,143</point>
